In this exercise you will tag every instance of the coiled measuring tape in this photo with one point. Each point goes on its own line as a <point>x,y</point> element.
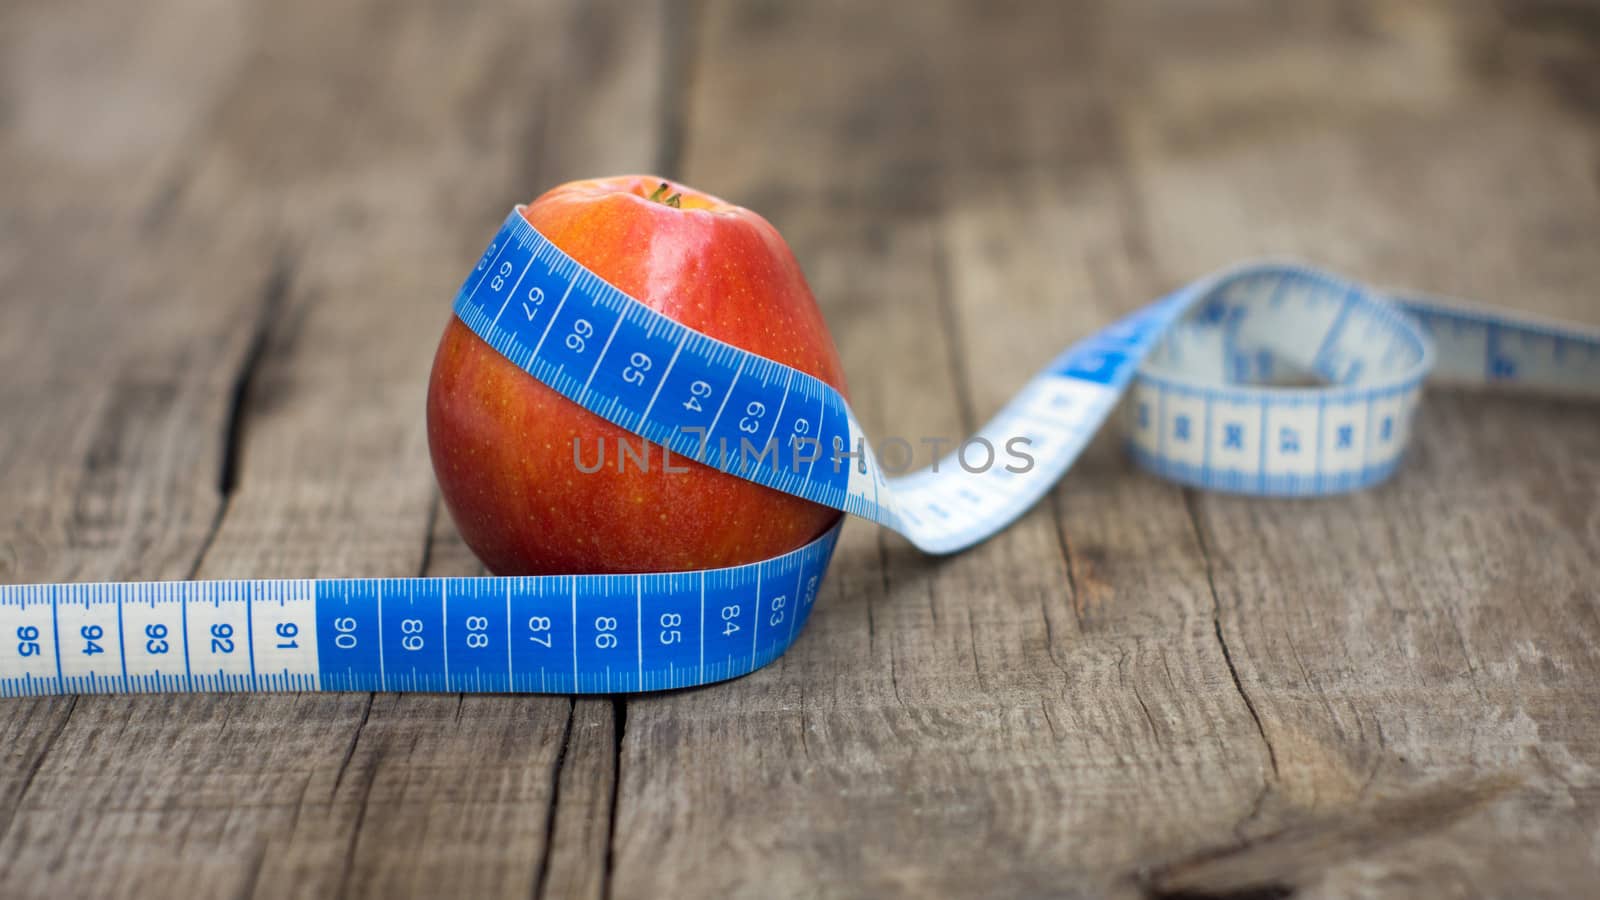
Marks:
<point>1195,368</point>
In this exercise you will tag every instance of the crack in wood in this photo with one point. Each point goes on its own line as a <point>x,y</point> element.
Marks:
<point>427,534</point>
<point>274,295</point>
<point>682,20</point>
<point>1278,864</point>
<point>885,586</point>
<point>361,817</point>
<point>1049,720</point>
<point>1233,672</point>
<point>894,678</point>
<point>972,643</point>
<point>542,869</point>
<point>1216,624</point>
<point>350,749</point>
<point>1066,558</point>
<point>1122,678</point>
<point>619,731</point>
<point>805,721</point>
<point>33,770</point>
<point>1050,637</point>
<point>1257,892</point>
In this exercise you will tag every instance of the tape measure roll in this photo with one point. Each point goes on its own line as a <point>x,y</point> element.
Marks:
<point>1200,370</point>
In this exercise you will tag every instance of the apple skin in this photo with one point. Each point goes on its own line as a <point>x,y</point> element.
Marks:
<point>502,441</point>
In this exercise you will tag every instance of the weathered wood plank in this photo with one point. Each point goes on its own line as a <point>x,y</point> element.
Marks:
<point>972,725</point>
<point>1425,675</point>
<point>947,769</point>
<point>380,172</point>
<point>118,382</point>
<point>1135,690</point>
<point>577,860</point>
<point>1422,657</point>
<point>466,809</point>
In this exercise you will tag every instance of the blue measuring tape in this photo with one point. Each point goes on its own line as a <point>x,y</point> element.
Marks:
<point>1195,372</point>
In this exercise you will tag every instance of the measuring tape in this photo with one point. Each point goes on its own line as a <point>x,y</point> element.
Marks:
<point>1198,372</point>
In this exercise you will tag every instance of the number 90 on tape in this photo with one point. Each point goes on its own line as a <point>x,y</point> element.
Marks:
<point>565,634</point>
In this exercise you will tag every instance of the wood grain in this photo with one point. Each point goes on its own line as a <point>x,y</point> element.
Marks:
<point>1376,636</point>
<point>111,455</point>
<point>228,238</point>
<point>351,165</point>
<point>995,706</point>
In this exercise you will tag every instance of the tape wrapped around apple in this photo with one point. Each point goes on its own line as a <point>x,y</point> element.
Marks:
<point>503,443</point>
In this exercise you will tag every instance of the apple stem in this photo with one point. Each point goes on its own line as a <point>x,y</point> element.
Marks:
<point>675,201</point>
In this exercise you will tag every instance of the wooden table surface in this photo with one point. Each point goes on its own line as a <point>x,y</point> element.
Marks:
<point>229,235</point>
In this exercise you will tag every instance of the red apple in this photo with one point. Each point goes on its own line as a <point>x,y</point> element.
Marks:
<point>502,442</point>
